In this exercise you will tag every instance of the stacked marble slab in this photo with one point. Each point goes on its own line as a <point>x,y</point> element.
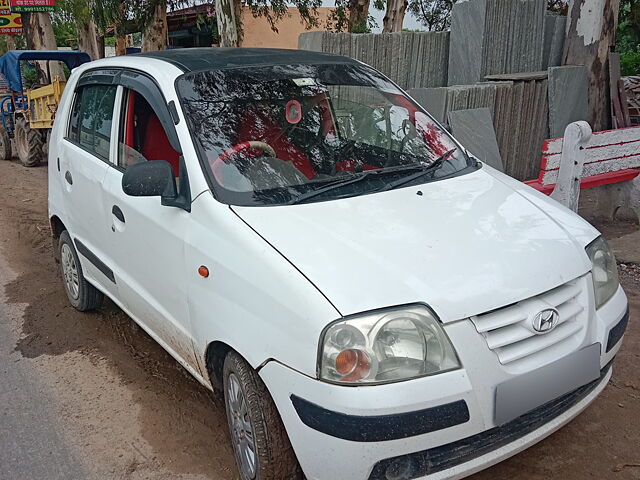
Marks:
<point>519,109</point>
<point>411,59</point>
<point>554,32</point>
<point>499,36</point>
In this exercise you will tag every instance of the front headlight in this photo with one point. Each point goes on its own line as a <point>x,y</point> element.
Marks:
<point>604,271</point>
<point>385,346</point>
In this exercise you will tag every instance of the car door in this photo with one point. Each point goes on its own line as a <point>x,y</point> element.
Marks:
<point>148,238</point>
<point>83,162</point>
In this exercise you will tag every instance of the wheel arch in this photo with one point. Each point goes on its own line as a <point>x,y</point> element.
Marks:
<point>57,227</point>
<point>214,359</point>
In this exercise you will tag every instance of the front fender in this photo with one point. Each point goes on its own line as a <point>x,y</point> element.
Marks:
<point>254,299</point>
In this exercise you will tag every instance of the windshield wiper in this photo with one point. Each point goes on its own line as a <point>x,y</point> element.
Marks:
<point>330,186</point>
<point>350,179</point>
<point>430,169</point>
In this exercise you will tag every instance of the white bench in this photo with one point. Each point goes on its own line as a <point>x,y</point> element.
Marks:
<point>609,160</point>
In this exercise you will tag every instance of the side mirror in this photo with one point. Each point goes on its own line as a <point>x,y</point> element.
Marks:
<point>149,179</point>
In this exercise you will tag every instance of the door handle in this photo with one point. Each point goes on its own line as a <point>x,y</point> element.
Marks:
<point>117,213</point>
<point>68,177</point>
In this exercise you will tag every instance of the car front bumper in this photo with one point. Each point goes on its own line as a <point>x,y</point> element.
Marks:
<point>438,427</point>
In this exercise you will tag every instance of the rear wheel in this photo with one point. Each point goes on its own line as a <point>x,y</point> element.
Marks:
<point>260,442</point>
<point>28,144</point>
<point>82,295</point>
<point>5,144</point>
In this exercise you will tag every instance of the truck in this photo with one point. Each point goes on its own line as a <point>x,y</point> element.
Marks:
<point>27,114</point>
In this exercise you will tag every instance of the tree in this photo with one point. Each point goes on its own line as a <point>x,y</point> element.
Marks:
<point>112,14</point>
<point>40,34</point>
<point>628,36</point>
<point>352,16</point>
<point>435,15</point>
<point>394,15</point>
<point>229,27</point>
<point>229,15</point>
<point>358,14</point>
<point>591,30</point>
<point>38,31</point>
<point>74,25</point>
<point>155,35</point>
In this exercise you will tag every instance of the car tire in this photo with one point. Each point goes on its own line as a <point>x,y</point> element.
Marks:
<point>28,144</point>
<point>252,415</point>
<point>5,145</point>
<point>82,295</point>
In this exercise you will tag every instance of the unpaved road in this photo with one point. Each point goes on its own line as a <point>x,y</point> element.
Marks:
<point>92,396</point>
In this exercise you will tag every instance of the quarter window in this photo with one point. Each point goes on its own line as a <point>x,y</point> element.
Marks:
<point>92,118</point>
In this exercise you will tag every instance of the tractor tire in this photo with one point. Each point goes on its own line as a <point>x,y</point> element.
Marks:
<point>28,144</point>
<point>5,145</point>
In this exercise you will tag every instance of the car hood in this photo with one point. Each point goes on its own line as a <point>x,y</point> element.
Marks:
<point>464,245</point>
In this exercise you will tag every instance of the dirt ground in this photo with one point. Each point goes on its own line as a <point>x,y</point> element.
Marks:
<point>131,412</point>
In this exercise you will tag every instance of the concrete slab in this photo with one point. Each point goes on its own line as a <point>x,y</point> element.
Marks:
<point>567,97</point>
<point>474,129</point>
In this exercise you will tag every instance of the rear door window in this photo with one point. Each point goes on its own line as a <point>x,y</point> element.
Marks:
<point>92,119</point>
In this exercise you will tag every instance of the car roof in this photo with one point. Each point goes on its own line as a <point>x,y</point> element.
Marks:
<point>214,58</point>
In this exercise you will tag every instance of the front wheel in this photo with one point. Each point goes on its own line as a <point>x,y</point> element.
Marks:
<point>260,442</point>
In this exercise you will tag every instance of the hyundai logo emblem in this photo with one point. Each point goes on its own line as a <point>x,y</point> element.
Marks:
<point>546,320</point>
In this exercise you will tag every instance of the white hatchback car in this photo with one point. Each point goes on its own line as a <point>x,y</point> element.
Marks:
<point>374,302</point>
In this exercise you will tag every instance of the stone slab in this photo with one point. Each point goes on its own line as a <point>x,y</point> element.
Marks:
<point>467,38</point>
<point>557,42</point>
<point>520,76</point>
<point>474,129</point>
<point>567,97</point>
<point>433,100</point>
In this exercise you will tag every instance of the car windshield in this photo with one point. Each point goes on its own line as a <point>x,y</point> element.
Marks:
<point>286,134</point>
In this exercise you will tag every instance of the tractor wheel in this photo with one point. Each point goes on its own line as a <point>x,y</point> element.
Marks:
<point>5,145</point>
<point>28,143</point>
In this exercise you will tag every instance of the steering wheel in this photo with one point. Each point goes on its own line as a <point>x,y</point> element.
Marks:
<point>224,157</point>
<point>250,145</point>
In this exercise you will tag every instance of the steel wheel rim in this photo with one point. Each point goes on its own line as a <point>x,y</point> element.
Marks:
<point>70,271</point>
<point>242,432</point>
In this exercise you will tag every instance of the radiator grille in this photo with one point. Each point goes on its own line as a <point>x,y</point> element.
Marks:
<point>509,331</point>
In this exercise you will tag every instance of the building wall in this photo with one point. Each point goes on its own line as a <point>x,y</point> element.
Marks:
<point>258,33</point>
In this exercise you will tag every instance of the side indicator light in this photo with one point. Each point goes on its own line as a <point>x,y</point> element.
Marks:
<point>203,271</point>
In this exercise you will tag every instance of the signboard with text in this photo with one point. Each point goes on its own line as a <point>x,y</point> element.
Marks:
<point>5,7</point>
<point>20,6</point>
<point>10,24</point>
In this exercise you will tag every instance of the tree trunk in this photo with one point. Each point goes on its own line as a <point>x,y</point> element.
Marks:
<point>41,31</point>
<point>591,30</point>
<point>156,35</point>
<point>121,45</point>
<point>394,16</point>
<point>11,44</point>
<point>42,37</point>
<point>120,33</point>
<point>358,15</point>
<point>88,39</point>
<point>100,42</point>
<point>226,13</point>
<point>26,22</point>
